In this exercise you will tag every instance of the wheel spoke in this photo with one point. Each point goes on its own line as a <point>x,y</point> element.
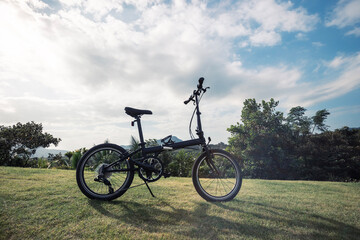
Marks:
<point>221,184</point>
<point>95,178</point>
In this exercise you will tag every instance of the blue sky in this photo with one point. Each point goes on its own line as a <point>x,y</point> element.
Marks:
<point>74,65</point>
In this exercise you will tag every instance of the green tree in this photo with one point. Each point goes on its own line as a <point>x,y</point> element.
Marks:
<point>134,146</point>
<point>69,155</point>
<point>261,140</point>
<point>332,155</point>
<point>275,147</point>
<point>319,120</point>
<point>298,122</point>
<point>19,142</point>
<point>76,156</point>
<point>58,161</point>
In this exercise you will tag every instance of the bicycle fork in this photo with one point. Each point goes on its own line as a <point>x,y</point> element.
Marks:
<point>210,162</point>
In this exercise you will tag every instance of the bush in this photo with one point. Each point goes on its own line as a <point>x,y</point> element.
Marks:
<point>42,163</point>
<point>75,158</point>
<point>181,163</point>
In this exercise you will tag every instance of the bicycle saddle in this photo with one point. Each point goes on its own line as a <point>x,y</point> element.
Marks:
<point>136,112</point>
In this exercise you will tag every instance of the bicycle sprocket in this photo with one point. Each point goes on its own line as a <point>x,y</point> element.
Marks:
<point>149,175</point>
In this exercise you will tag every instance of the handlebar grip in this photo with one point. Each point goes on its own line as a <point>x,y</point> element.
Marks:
<point>201,80</point>
<point>200,85</point>
<point>187,101</point>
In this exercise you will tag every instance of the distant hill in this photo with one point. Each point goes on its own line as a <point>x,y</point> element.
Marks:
<point>173,138</point>
<point>44,152</point>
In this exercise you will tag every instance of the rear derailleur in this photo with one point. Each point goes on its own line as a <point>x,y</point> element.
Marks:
<point>102,177</point>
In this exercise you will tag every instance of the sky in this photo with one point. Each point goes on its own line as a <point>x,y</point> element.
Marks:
<point>74,65</point>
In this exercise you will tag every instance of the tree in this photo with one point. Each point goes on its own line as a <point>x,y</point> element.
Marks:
<point>19,142</point>
<point>134,146</point>
<point>274,147</point>
<point>76,156</point>
<point>298,122</point>
<point>319,119</point>
<point>57,161</point>
<point>332,155</point>
<point>261,140</point>
<point>69,155</point>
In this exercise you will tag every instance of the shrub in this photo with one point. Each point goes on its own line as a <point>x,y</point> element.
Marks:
<point>75,158</point>
<point>42,163</point>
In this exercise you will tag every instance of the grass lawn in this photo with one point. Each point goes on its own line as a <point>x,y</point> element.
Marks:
<point>47,204</point>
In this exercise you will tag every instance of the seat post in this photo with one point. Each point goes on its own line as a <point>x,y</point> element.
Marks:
<point>142,143</point>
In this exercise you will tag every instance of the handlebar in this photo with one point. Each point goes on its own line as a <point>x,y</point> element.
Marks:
<point>197,92</point>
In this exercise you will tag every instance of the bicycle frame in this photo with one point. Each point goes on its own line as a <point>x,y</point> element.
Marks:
<point>182,144</point>
<point>158,149</point>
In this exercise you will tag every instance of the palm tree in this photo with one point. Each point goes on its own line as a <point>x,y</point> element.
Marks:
<point>69,155</point>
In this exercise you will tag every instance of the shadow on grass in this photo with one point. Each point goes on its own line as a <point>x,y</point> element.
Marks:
<point>185,223</point>
<point>317,227</point>
<point>236,219</point>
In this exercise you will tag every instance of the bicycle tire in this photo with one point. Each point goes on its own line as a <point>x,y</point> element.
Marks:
<point>221,185</point>
<point>89,163</point>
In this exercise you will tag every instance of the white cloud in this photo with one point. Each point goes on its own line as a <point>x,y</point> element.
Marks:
<point>272,15</point>
<point>317,44</point>
<point>347,80</point>
<point>262,21</point>
<point>337,62</point>
<point>75,68</point>
<point>355,31</point>
<point>345,14</point>
<point>264,38</point>
<point>37,4</point>
<point>301,36</point>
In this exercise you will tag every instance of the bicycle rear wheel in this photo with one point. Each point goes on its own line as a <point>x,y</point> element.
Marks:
<point>218,178</point>
<point>94,179</point>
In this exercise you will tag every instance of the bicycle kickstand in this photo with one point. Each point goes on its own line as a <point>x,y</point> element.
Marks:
<point>149,189</point>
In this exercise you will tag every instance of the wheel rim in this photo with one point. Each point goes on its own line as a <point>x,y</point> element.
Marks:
<point>91,168</point>
<point>221,183</point>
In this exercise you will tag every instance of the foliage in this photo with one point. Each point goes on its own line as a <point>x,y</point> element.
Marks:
<point>331,155</point>
<point>42,163</point>
<point>177,163</point>
<point>58,161</point>
<point>274,147</point>
<point>181,163</point>
<point>69,155</point>
<point>135,145</point>
<point>319,120</point>
<point>259,140</point>
<point>75,158</point>
<point>19,142</point>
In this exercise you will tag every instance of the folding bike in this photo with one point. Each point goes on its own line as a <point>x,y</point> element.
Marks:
<point>106,171</point>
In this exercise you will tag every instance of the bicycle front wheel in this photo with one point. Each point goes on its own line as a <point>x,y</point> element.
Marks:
<point>217,178</point>
<point>98,181</point>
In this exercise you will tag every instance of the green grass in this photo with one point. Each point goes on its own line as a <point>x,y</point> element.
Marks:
<point>47,204</point>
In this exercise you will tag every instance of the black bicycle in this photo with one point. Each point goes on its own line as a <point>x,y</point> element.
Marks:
<point>107,170</point>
